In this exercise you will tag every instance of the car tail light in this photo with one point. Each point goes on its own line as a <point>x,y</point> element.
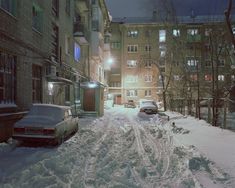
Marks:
<point>48,131</point>
<point>19,129</point>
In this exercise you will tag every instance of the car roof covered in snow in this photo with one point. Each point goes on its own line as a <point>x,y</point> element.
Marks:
<point>43,114</point>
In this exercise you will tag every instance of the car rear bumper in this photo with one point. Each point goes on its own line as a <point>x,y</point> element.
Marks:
<point>36,139</point>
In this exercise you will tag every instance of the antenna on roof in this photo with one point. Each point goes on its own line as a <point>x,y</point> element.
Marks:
<point>193,15</point>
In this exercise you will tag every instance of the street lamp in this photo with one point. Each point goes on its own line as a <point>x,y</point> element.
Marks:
<point>110,61</point>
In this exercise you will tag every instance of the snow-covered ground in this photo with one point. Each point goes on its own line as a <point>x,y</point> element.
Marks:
<point>123,150</point>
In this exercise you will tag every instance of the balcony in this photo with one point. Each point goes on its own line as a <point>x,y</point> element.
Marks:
<point>82,5</point>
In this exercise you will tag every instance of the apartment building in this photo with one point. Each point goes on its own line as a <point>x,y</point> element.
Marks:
<point>45,57</point>
<point>183,61</point>
<point>24,50</point>
<point>95,20</point>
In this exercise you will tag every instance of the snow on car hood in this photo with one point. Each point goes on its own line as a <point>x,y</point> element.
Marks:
<point>36,121</point>
<point>148,105</point>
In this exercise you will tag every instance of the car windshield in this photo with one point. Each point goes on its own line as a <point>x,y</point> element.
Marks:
<point>54,113</point>
<point>148,103</point>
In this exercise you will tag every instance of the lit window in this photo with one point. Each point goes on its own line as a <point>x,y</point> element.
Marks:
<point>132,93</point>
<point>131,63</point>
<point>192,31</point>
<point>162,35</point>
<point>208,77</point>
<point>162,53</point>
<point>233,30</point>
<point>176,32</point>
<point>133,33</point>
<point>176,77</point>
<point>132,79</point>
<point>77,51</point>
<point>233,77</point>
<point>221,77</point>
<point>192,62</point>
<point>160,79</point>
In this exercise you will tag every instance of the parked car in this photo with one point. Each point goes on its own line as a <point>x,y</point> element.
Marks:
<point>46,123</point>
<point>209,102</point>
<point>148,107</point>
<point>130,104</point>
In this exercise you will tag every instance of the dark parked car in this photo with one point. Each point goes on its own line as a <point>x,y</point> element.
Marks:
<point>209,102</point>
<point>46,123</point>
<point>148,107</point>
<point>130,104</point>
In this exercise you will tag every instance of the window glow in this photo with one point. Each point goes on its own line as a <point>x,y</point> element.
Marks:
<point>77,51</point>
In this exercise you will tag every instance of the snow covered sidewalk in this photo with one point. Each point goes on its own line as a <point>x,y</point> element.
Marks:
<point>215,143</point>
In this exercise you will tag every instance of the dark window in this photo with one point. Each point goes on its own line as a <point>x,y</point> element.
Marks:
<point>67,93</point>
<point>67,7</point>
<point>37,18</point>
<point>37,83</point>
<point>55,42</point>
<point>55,7</point>
<point>9,6</point>
<point>7,78</point>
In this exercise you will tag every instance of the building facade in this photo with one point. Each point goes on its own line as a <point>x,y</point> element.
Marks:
<point>179,63</point>
<point>44,55</point>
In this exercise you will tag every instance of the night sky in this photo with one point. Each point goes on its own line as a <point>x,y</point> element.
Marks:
<point>144,8</point>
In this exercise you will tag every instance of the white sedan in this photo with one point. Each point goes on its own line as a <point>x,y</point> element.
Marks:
<point>46,123</point>
<point>147,107</point>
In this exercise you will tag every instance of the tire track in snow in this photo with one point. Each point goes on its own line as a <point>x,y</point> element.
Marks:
<point>162,147</point>
<point>90,164</point>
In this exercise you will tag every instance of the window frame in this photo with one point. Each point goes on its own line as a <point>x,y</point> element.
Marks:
<point>132,48</point>
<point>131,63</point>
<point>11,8</point>
<point>7,78</point>
<point>37,18</point>
<point>132,93</point>
<point>36,83</point>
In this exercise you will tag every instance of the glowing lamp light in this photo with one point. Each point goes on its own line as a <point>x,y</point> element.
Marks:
<point>92,84</point>
<point>50,88</point>
<point>110,61</point>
